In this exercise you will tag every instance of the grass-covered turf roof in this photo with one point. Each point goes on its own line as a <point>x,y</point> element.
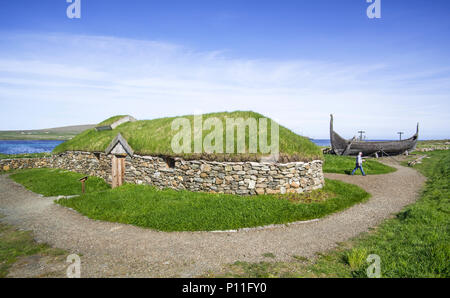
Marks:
<point>154,137</point>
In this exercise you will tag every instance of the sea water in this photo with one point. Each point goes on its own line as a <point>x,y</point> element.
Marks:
<point>27,146</point>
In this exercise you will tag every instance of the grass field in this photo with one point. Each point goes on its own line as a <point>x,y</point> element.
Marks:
<point>154,137</point>
<point>54,182</point>
<point>35,135</point>
<point>58,133</point>
<point>26,155</point>
<point>15,244</point>
<point>170,210</point>
<point>345,165</point>
<point>416,243</point>
<point>433,143</point>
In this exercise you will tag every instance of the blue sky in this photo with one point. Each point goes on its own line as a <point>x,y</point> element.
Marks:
<point>295,61</point>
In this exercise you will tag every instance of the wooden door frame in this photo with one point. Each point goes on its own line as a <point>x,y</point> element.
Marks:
<point>118,170</point>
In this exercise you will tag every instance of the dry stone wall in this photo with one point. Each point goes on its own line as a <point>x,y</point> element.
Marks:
<point>243,178</point>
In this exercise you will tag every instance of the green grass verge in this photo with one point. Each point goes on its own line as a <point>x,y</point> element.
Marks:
<point>15,244</point>
<point>17,135</point>
<point>26,155</point>
<point>169,210</point>
<point>432,143</point>
<point>345,165</point>
<point>54,182</point>
<point>154,137</point>
<point>58,133</point>
<point>414,244</point>
<point>111,120</point>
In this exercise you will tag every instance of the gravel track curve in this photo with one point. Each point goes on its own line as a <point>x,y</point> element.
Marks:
<point>118,250</point>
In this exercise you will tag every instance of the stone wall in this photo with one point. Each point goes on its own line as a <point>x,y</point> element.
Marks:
<point>244,178</point>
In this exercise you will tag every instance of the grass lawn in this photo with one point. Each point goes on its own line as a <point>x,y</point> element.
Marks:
<point>54,182</point>
<point>35,135</point>
<point>27,155</point>
<point>58,133</point>
<point>154,137</point>
<point>432,143</point>
<point>345,165</point>
<point>170,210</point>
<point>414,244</point>
<point>15,244</point>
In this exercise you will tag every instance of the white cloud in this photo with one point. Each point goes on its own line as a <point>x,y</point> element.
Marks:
<point>83,79</point>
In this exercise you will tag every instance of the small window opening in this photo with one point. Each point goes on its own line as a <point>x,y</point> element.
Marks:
<point>170,162</point>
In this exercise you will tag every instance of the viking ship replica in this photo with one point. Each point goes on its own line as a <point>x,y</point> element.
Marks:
<point>341,146</point>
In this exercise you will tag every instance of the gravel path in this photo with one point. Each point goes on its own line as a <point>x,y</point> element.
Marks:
<point>111,249</point>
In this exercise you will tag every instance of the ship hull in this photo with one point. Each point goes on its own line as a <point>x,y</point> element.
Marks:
<point>341,146</point>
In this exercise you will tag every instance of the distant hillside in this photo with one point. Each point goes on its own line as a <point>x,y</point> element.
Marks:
<point>58,133</point>
<point>153,137</point>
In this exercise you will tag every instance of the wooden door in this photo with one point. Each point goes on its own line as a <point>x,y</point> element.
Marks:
<point>118,170</point>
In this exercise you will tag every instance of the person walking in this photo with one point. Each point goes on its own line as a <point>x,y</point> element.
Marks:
<point>359,162</point>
